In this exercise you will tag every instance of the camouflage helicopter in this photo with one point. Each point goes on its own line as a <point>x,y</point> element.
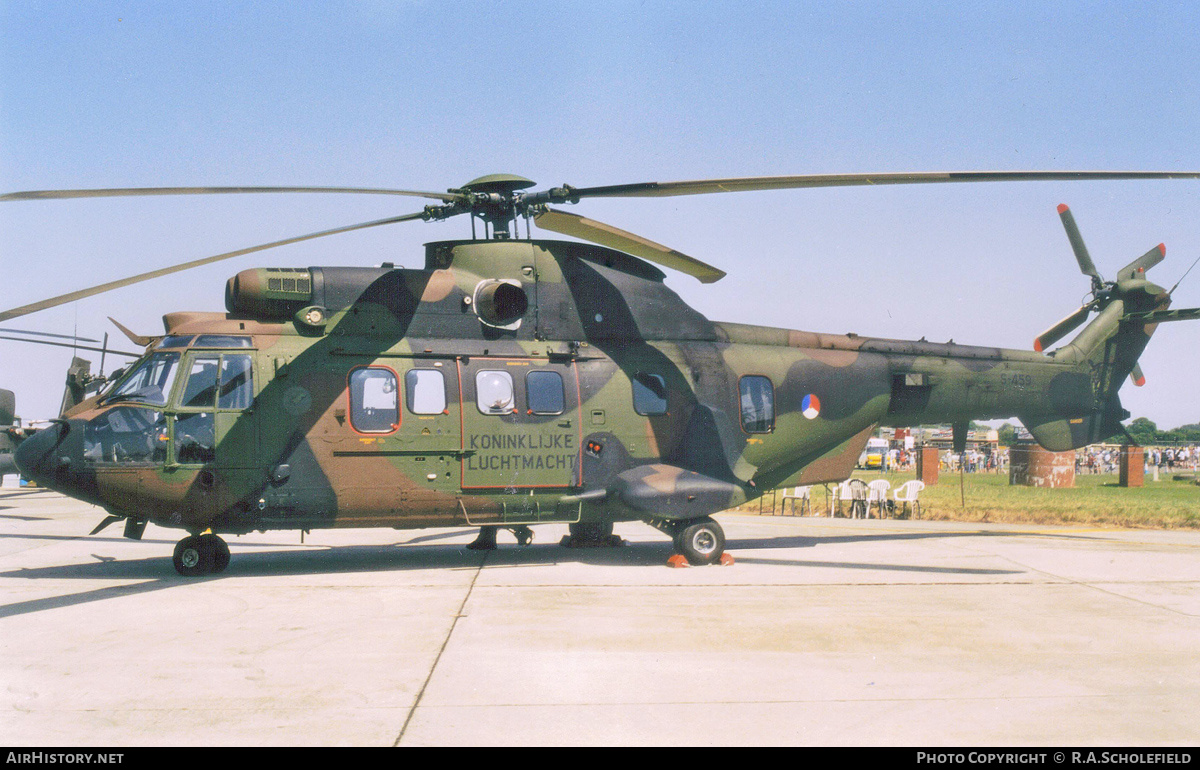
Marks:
<point>518,381</point>
<point>79,385</point>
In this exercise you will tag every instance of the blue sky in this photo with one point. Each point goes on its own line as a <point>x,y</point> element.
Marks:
<point>426,95</point>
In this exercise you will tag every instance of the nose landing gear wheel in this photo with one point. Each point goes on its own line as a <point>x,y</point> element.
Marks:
<point>192,558</point>
<point>200,555</point>
<point>701,542</point>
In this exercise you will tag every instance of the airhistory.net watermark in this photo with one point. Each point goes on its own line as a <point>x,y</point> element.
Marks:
<point>61,758</point>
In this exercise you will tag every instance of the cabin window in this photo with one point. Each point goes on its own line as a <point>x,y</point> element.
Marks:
<point>649,394</point>
<point>426,391</point>
<point>758,404</point>
<point>494,392</point>
<point>544,393</point>
<point>374,400</point>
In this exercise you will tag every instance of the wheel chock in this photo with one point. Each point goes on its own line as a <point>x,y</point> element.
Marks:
<point>726,560</point>
<point>677,561</point>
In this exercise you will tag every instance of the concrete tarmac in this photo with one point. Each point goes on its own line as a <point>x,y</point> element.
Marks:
<point>824,632</point>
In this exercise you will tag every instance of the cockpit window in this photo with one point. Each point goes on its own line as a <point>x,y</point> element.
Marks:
<point>237,382</point>
<point>221,341</point>
<point>224,381</point>
<point>126,436</point>
<point>205,341</point>
<point>149,383</point>
<point>201,387</point>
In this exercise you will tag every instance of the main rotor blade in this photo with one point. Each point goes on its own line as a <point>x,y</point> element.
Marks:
<point>616,238</point>
<point>73,347</point>
<point>120,192</point>
<point>1136,375</point>
<point>1086,265</point>
<point>1143,263</point>
<point>48,334</point>
<point>1061,329</point>
<point>704,186</point>
<point>82,293</point>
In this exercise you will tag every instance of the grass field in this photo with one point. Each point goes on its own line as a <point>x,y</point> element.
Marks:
<point>1095,500</point>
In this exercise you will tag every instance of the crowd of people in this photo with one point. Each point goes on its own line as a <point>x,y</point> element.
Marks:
<point>976,461</point>
<point>1107,459</point>
<point>1092,459</point>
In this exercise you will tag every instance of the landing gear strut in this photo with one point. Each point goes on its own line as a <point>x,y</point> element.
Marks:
<point>486,539</point>
<point>201,555</point>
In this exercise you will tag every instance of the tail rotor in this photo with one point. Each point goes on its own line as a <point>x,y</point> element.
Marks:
<point>1130,286</point>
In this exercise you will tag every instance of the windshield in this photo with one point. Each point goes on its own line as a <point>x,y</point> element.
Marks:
<point>149,382</point>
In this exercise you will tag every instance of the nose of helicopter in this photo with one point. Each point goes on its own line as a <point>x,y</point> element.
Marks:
<point>40,457</point>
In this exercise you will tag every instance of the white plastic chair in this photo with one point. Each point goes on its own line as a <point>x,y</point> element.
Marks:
<point>801,494</point>
<point>877,495</point>
<point>831,496</point>
<point>909,494</point>
<point>855,490</point>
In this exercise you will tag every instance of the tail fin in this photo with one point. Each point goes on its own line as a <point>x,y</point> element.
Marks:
<point>1106,352</point>
<point>79,382</point>
<point>1085,404</point>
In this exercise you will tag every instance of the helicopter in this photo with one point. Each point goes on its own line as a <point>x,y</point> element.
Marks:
<point>11,435</point>
<point>516,381</point>
<point>80,383</point>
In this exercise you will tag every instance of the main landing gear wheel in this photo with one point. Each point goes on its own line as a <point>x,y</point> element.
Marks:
<point>591,534</point>
<point>701,541</point>
<point>201,555</point>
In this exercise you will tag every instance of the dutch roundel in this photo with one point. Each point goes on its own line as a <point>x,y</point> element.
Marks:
<point>811,406</point>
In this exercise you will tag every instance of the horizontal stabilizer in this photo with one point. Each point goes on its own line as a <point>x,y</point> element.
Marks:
<point>1162,316</point>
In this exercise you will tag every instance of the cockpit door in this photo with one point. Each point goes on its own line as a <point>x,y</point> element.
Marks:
<point>215,424</point>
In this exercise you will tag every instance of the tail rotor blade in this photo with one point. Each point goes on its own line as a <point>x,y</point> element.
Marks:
<point>1086,266</point>
<point>1138,267</point>
<point>1061,329</point>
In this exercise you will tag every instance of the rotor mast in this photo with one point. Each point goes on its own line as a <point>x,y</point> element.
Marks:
<point>495,201</point>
